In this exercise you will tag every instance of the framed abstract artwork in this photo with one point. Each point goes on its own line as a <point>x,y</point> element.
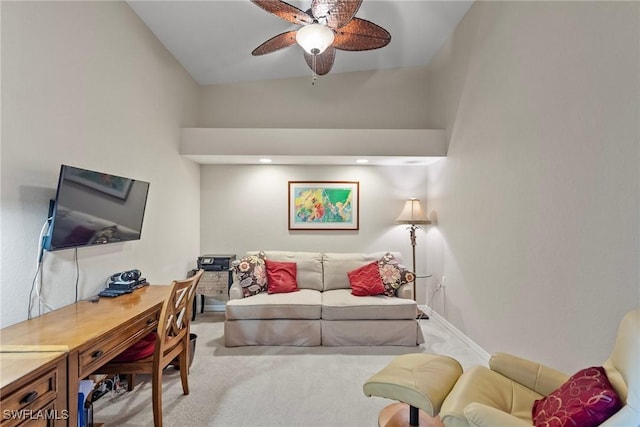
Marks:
<point>324,205</point>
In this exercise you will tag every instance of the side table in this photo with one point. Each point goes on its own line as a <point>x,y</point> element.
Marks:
<point>213,284</point>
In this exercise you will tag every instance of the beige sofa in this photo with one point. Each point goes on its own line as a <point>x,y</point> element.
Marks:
<point>323,311</point>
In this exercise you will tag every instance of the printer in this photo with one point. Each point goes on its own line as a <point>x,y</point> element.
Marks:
<point>215,262</point>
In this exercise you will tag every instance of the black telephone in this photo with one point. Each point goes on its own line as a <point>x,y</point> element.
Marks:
<point>125,276</point>
<point>122,283</point>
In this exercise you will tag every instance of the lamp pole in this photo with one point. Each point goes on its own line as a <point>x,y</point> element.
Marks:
<point>413,215</point>
<point>412,236</point>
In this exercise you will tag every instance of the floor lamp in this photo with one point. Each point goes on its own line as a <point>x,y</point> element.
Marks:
<point>413,215</point>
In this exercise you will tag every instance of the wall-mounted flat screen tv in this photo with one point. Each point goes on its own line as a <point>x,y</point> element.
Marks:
<point>95,208</point>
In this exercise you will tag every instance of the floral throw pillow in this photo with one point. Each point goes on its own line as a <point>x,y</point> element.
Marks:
<point>393,274</point>
<point>587,399</point>
<point>252,274</point>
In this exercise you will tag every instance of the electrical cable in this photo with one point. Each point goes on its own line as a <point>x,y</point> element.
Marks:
<point>433,293</point>
<point>35,285</point>
<point>77,272</point>
<point>435,290</point>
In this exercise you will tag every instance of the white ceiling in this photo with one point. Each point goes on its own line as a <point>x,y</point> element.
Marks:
<point>213,39</point>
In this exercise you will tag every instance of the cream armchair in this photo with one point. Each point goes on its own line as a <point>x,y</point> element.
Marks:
<point>503,395</point>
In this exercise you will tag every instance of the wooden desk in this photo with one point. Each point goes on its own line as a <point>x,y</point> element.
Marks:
<point>33,388</point>
<point>91,333</point>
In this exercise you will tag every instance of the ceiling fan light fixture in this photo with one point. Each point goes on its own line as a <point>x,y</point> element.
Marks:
<point>315,38</point>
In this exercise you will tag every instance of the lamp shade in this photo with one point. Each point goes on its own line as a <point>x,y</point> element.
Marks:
<point>315,38</point>
<point>412,213</point>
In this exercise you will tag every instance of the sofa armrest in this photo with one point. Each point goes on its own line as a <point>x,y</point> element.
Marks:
<point>479,415</point>
<point>235,291</point>
<point>405,291</point>
<point>535,376</point>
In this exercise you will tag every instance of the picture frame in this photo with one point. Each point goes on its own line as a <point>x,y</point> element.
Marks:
<point>324,205</point>
<point>112,185</point>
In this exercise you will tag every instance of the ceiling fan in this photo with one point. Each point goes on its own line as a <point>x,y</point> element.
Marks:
<point>326,26</point>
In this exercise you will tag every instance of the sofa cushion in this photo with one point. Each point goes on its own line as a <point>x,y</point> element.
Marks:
<point>281,277</point>
<point>393,274</point>
<point>251,273</point>
<point>366,280</point>
<point>309,266</point>
<point>587,399</point>
<point>340,304</point>
<point>336,266</point>
<point>304,304</point>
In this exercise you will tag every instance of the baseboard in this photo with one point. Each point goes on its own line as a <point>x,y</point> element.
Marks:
<point>481,352</point>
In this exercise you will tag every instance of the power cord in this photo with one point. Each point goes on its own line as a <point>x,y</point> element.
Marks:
<point>35,284</point>
<point>438,287</point>
<point>77,272</point>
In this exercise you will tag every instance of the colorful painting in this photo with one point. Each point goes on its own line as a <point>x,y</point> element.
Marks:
<point>323,205</point>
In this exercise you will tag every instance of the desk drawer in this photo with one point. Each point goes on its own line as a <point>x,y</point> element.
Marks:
<point>99,353</point>
<point>220,291</point>
<point>214,278</point>
<point>214,284</point>
<point>32,400</point>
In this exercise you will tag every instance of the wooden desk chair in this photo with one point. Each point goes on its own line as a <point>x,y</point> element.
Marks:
<point>157,350</point>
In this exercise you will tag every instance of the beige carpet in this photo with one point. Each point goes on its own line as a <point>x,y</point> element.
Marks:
<point>271,386</point>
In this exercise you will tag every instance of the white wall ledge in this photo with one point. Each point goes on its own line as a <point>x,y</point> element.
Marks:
<point>312,146</point>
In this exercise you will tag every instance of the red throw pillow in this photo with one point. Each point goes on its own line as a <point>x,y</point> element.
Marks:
<point>138,350</point>
<point>366,280</point>
<point>281,277</point>
<point>587,399</point>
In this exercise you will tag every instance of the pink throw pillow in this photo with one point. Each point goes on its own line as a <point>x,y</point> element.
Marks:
<point>587,399</point>
<point>366,280</point>
<point>281,277</point>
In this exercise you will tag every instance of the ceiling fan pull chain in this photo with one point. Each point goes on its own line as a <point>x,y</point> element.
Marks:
<point>313,72</point>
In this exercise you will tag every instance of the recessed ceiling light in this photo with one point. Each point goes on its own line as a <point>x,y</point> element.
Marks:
<point>362,161</point>
<point>265,160</point>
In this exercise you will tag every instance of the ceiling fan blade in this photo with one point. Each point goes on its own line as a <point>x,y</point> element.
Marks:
<point>284,11</point>
<point>337,12</point>
<point>323,61</point>
<point>276,43</point>
<point>360,34</point>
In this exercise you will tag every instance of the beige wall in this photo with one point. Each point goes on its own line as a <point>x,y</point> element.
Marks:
<point>390,99</point>
<point>538,200</point>
<point>87,84</point>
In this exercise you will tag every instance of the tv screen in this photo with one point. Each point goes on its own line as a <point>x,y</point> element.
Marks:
<point>95,208</point>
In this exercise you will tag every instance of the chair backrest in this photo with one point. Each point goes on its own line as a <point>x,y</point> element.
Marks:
<point>192,292</point>
<point>623,371</point>
<point>175,318</point>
